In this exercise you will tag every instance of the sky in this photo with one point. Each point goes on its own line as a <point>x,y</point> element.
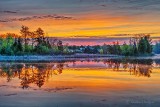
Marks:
<point>82,18</point>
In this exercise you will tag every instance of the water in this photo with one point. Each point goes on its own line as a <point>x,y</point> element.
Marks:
<point>85,83</point>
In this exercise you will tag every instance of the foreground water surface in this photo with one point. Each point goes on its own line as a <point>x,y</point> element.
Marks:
<point>83,83</point>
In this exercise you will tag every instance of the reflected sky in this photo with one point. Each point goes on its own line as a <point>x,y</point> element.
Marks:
<point>43,74</point>
<point>90,83</point>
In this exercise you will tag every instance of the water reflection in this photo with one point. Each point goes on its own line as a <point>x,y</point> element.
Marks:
<point>39,73</point>
<point>30,73</point>
<point>135,67</point>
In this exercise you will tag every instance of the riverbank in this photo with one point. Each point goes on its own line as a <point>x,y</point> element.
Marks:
<point>49,58</point>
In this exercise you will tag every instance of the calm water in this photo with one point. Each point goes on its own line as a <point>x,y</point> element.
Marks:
<point>87,83</point>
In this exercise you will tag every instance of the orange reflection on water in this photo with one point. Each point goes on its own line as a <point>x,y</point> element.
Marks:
<point>91,76</point>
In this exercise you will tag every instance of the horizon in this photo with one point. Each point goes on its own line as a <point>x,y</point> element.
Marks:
<point>92,41</point>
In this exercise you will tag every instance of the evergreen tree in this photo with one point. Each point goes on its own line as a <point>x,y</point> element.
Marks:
<point>19,45</point>
<point>142,46</point>
<point>145,45</point>
<point>135,49</point>
<point>148,43</point>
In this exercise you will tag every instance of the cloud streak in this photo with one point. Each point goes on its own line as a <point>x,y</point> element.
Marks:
<point>56,17</point>
<point>8,11</point>
<point>114,35</point>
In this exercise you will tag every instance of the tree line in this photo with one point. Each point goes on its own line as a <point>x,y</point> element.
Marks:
<point>35,42</point>
<point>139,45</point>
<point>29,42</point>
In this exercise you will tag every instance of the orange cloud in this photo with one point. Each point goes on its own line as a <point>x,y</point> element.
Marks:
<point>93,24</point>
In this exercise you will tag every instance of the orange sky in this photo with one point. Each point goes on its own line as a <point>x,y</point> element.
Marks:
<point>86,26</point>
<point>87,18</point>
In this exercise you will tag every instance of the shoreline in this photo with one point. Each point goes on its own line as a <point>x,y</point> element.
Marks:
<point>52,58</point>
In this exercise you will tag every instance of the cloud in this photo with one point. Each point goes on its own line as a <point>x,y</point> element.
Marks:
<point>56,17</point>
<point>8,11</point>
<point>115,35</point>
<point>108,27</point>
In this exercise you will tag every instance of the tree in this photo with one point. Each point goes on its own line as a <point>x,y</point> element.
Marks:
<point>142,46</point>
<point>117,48</point>
<point>48,43</point>
<point>66,49</point>
<point>25,33</point>
<point>40,36</point>
<point>43,44</point>
<point>41,49</point>
<point>104,49</point>
<point>60,46</point>
<point>126,50</point>
<point>6,47</point>
<point>110,49</point>
<point>145,45</point>
<point>148,43</point>
<point>19,45</point>
<point>32,35</point>
<point>135,49</point>
<point>114,49</point>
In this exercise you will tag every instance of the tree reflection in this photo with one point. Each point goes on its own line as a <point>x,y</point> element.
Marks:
<point>30,73</point>
<point>10,70</point>
<point>135,67</point>
<point>38,73</point>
